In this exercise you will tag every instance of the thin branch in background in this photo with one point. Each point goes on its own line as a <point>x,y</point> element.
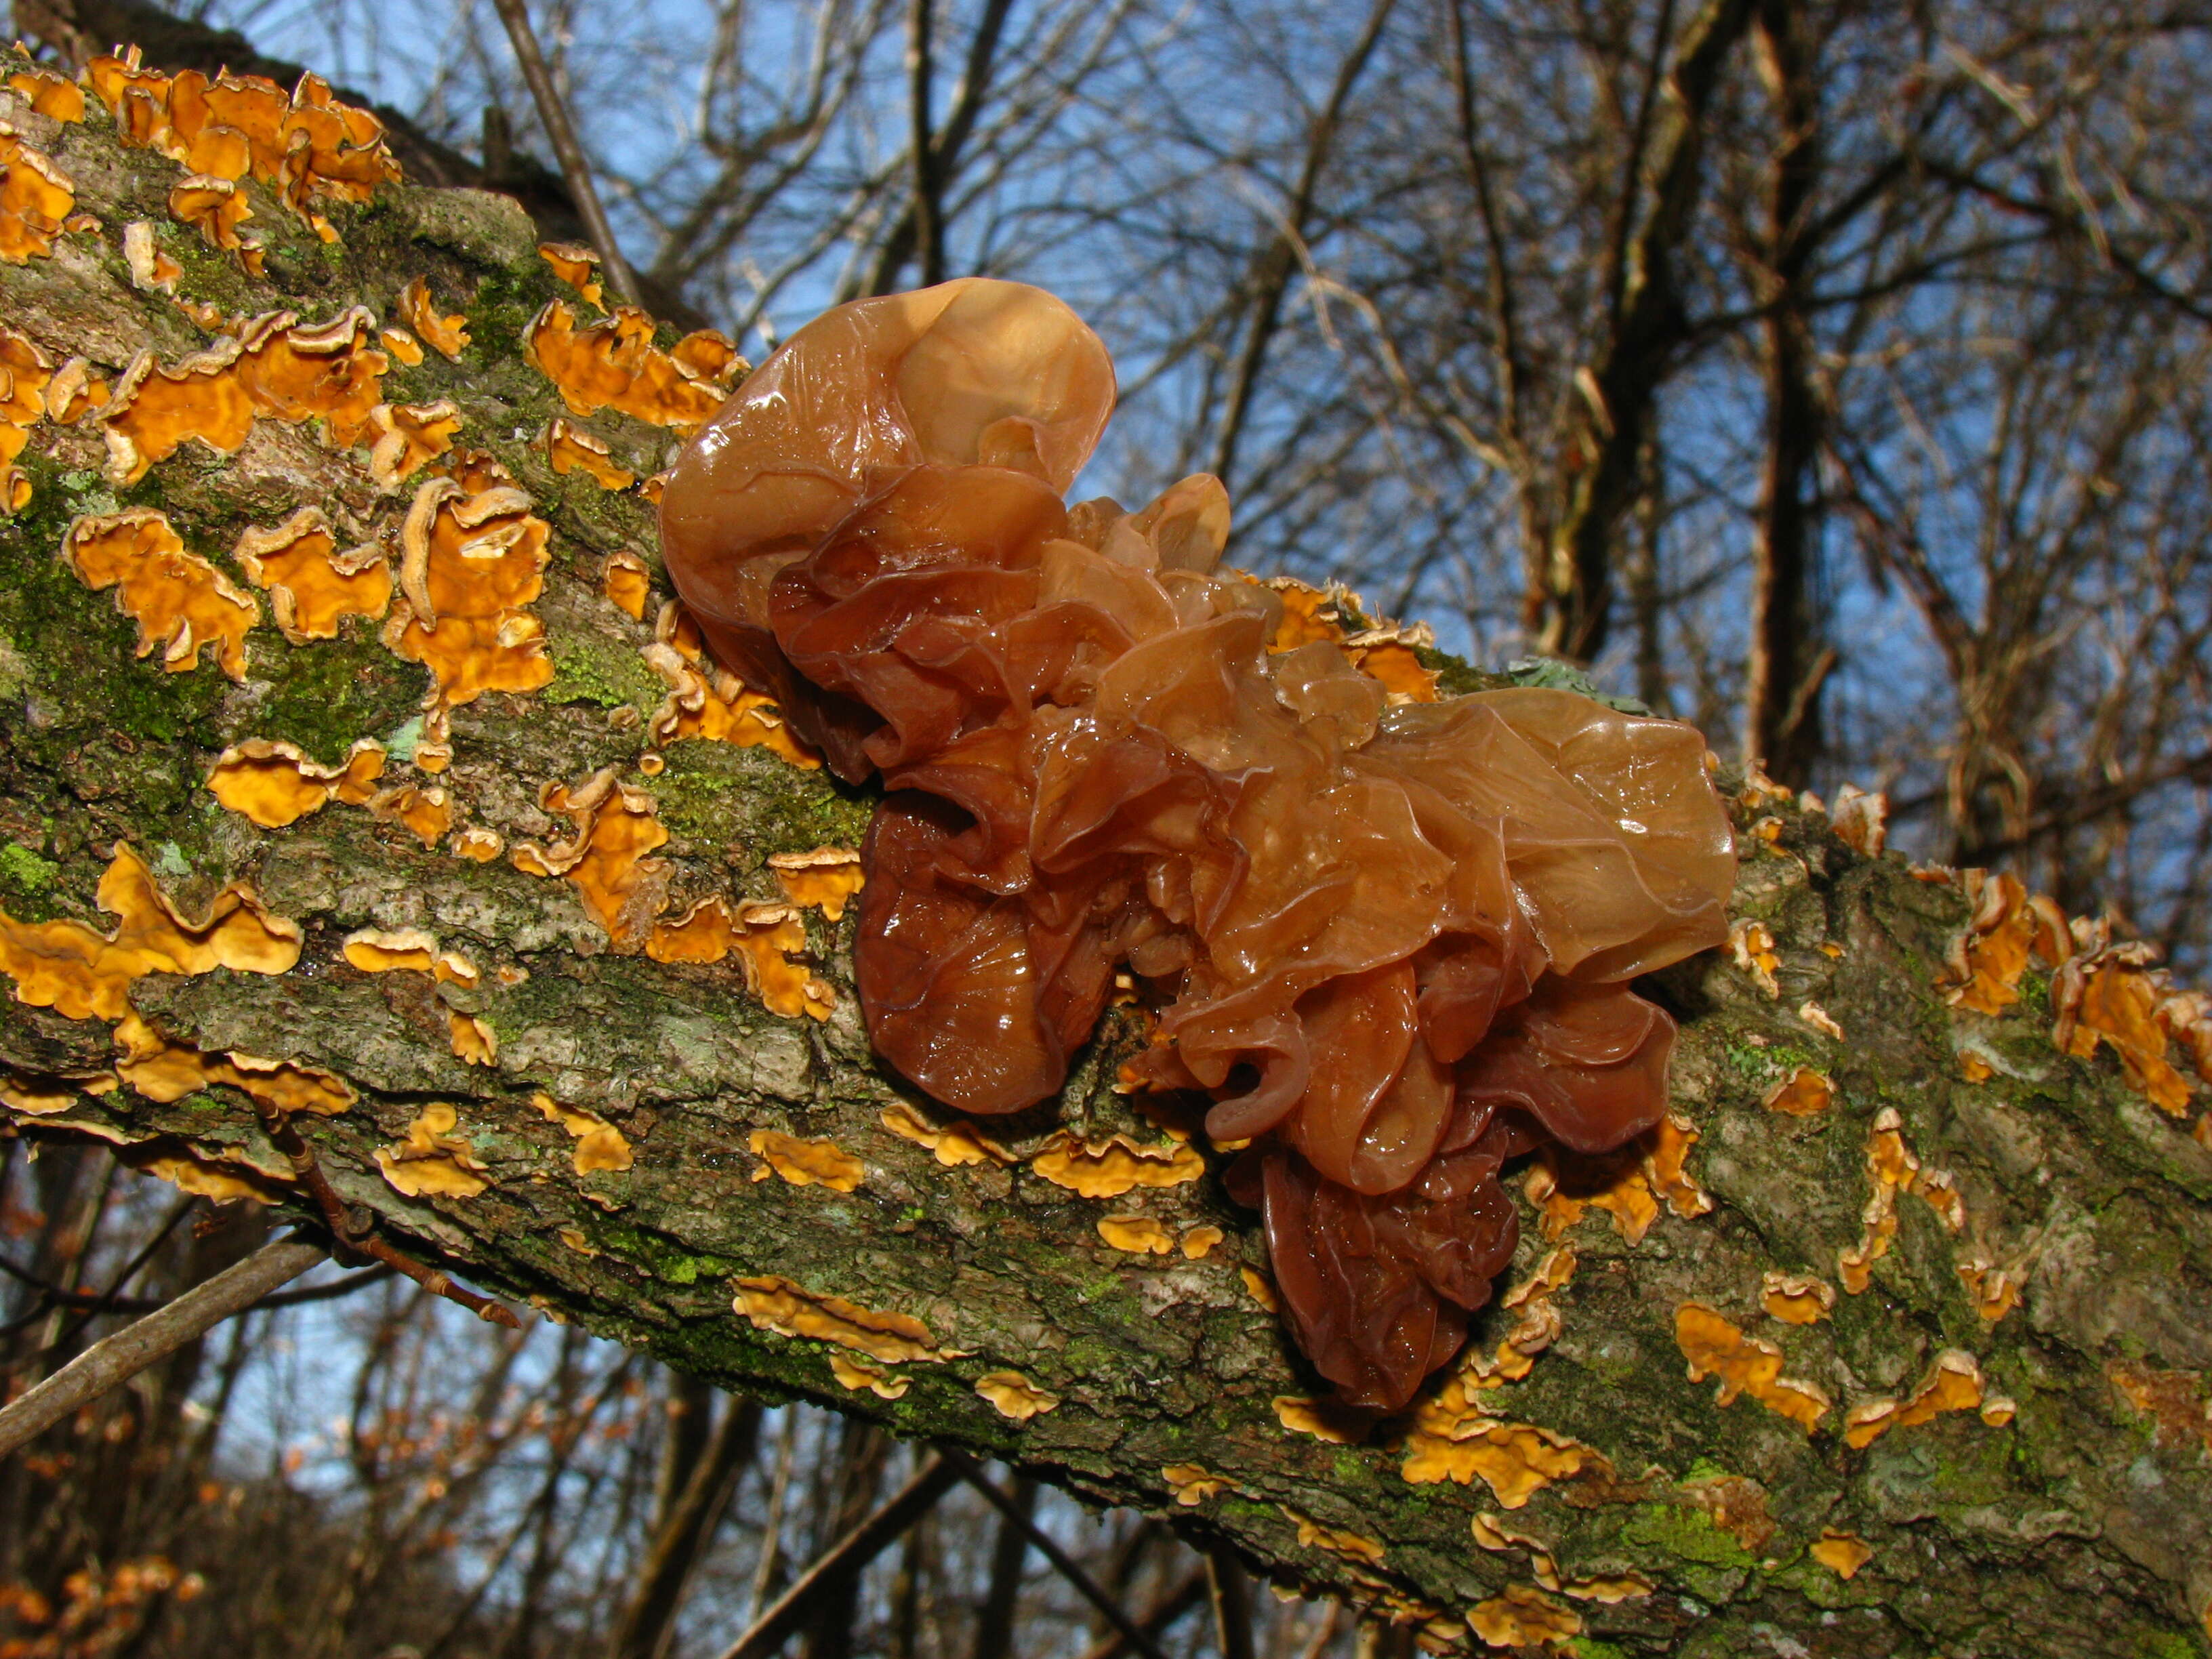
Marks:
<point>114,1360</point>
<point>1179,1598</point>
<point>928,212</point>
<point>846,1557</point>
<point>575,168</point>
<point>1232,1594</point>
<point>1049,1547</point>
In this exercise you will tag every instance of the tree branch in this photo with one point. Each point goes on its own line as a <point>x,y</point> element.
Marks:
<point>114,1360</point>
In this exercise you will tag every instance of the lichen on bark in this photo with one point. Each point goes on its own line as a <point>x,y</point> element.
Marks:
<point>1581,1486</point>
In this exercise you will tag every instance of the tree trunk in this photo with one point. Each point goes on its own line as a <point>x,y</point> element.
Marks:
<point>643,1147</point>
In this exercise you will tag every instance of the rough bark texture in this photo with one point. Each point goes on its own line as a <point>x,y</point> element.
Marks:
<point>2083,1526</point>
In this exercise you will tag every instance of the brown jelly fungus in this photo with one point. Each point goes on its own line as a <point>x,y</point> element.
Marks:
<point>1393,944</point>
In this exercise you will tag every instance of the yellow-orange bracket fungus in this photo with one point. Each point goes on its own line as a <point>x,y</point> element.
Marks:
<point>312,586</point>
<point>81,974</point>
<point>52,94</point>
<point>275,366</point>
<point>1392,938</point>
<point>470,565</point>
<point>272,783</point>
<point>308,148</point>
<point>612,364</point>
<point>448,336</point>
<point>35,198</point>
<point>179,601</point>
<point>26,381</point>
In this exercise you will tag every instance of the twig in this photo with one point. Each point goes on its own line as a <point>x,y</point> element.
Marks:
<point>847,1555</point>
<point>102,1303</point>
<point>1232,1602</point>
<point>1069,1568</point>
<point>51,1295</point>
<point>114,1360</point>
<point>1187,1593</point>
<point>575,169</point>
<point>353,1231</point>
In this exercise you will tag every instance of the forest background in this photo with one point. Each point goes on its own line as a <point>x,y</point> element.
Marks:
<point>1833,376</point>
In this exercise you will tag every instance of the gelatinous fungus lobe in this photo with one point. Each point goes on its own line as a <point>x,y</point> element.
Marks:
<point>1392,938</point>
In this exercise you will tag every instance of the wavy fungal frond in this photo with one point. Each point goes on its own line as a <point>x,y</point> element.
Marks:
<point>1392,939</point>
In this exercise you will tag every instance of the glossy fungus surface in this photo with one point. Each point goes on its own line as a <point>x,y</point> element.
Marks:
<point>1393,944</point>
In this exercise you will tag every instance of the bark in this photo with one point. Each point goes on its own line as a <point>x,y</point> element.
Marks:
<point>2083,1527</point>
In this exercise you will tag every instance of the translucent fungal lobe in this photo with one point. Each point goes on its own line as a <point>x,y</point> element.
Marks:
<point>1393,944</point>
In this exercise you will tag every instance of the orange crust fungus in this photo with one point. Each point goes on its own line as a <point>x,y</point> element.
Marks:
<point>448,336</point>
<point>1751,945</point>
<point>312,586</point>
<point>606,860</point>
<point>1994,1291</point>
<point>1136,1235</point>
<point>54,96</point>
<point>1796,1298</point>
<point>1392,938</point>
<point>376,950</point>
<point>275,366</point>
<point>1861,820</point>
<point>1014,1396</point>
<point>1893,1167</point>
<point>272,783</point>
<point>1115,1165</point>
<point>952,1144</point>
<point>215,207</point>
<point>776,1303</point>
<point>822,879</point>
<point>308,147</point>
<point>1515,1461</point>
<point>626,584</point>
<point>81,974</point>
<point>709,703</point>
<point>599,1145</point>
<point>75,392</point>
<point>805,1162</point>
<point>2113,994</point>
<point>1842,1553</point>
<point>163,1071</point>
<point>613,364</point>
<point>1198,1242</point>
<point>1631,1186</point>
<point>2007,930</point>
<point>470,567</point>
<point>571,449</point>
<point>432,1162</point>
<point>764,936</point>
<point>179,601</point>
<point>854,1374</point>
<point>1803,1093</point>
<point>1745,1365</point>
<point>407,436</point>
<point>151,271</point>
<point>35,200</point>
<point>1328,1419</point>
<point>1191,1484</point>
<point>26,376</point>
<point>1953,1383</point>
<point>1338,1542</point>
<point>1523,1617</point>
<point>578,266</point>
